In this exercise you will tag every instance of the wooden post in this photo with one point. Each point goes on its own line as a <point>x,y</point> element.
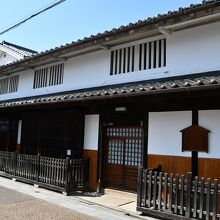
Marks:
<point>171,193</point>
<point>67,171</point>
<point>181,193</point>
<point>160,190</point>
<point>37,167</point>
<point>215,197</point>
<point>188,195</point>
<point>201,198</point>
<point>15,163</point>
<point>195,197</point>
<point>208,195</point>
<point>165,191</point>
<point>155,190</point>
<point>144,186</point>
<point>176,193</point>
<point>139,188</point>
<point>149,189</point>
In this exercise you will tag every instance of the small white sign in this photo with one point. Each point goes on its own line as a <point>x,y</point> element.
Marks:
<point>120,109</point>
<point>68,152</point>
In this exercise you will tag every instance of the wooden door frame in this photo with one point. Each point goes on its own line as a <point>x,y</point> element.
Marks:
<point>101,164</point>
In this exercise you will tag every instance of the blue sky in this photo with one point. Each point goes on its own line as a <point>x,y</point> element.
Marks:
<point>75,19</point>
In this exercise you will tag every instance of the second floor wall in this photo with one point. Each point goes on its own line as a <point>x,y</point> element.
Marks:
<point>190,51</point>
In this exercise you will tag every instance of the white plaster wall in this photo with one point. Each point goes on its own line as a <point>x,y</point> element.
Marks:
<point>91,132</point>
<point>6,59</point>
<point>164,136</point>
<point>189,51</point>
<point>194,50</point>
<point>210,119</point>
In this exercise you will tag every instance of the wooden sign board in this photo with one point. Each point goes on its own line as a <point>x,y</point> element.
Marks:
<point>195,138</point>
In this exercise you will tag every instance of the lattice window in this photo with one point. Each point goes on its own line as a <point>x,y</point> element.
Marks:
<point>49,76</point>
<point>125,145</point>
<point>140,57</point>
<point>115,152</point>
<point>9,84</point>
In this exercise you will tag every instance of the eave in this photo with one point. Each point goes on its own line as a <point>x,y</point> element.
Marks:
<point>186,84</point>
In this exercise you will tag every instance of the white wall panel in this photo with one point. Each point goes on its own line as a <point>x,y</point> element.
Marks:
<point>91,132</point>
<point>164,136</point>
<point>210,119</point>
<point>197,47</point>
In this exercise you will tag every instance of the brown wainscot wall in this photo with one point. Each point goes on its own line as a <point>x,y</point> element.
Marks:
<point>207,167</point>
<point>93,157</point>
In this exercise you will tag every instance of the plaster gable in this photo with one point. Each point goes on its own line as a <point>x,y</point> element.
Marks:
<point>6,58</point>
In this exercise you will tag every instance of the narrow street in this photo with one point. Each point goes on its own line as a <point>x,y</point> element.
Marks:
<point>19,201</point>
<point>18,206</point>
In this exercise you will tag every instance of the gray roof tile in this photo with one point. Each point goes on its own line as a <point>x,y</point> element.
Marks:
<point>200,81</point>
<point>21,50</point>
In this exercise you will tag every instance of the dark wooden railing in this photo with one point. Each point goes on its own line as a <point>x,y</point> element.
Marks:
<point>64,175</point>
<point>177,197</point>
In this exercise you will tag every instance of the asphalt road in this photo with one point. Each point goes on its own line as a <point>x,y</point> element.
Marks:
<point>18,206</point>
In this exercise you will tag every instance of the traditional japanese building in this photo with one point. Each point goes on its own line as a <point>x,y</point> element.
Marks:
<point>135,95</point>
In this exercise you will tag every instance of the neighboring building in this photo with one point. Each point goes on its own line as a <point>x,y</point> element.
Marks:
<point>122,98</point>
<point>10,53</point>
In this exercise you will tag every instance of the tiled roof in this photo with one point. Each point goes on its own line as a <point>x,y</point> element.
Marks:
<point>25,52</point>
<point>206,4</point>
<point>200,81</point>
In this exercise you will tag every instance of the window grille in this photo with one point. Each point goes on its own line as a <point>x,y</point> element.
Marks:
<point>13,84</point>
<point>144,56</point>
<point>56,75</point>
<point>152,54</point>
<point>49,76</point>
<point>9,84</point>
<point>122,60</point>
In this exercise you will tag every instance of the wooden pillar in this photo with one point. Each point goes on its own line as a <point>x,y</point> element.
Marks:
<point>194,157</point>
<point>145,147</point>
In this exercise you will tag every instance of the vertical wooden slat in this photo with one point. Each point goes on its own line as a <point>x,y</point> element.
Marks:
<point>208,194</point>
<point>188,195</point>
<point>214,201</point>
<point>145,56</point>
<point>124,59</point>
<point>157,53</point>
<point>162,53</point>
<point>149,189</point>
<point>160,190</point>
<point>140,56</point>
<point>165,191</point>
<point>144,187</point>
<point>171,192</point>
<point>155,190</point>
<point>128,59</point>
<point>181,194</point>
<point>152,55</point>
<point>176,193</point>
<point>165,52</point>
<point>195,195</point>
